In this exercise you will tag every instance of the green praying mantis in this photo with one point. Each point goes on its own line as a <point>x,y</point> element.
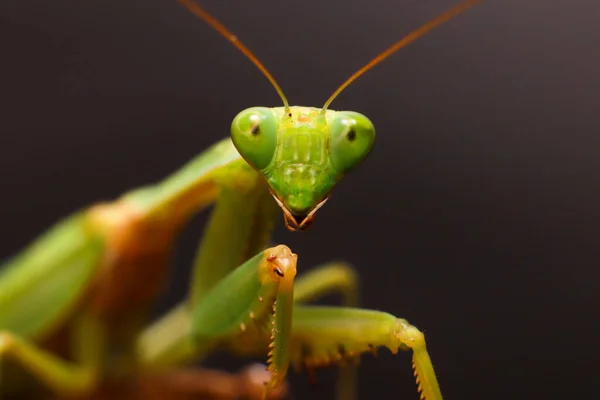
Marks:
<point>93,276</point>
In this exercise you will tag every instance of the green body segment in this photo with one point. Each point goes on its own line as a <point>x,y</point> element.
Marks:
<point>281,333</point>
<point>40,287</point>
<point>47,286</point>
<point>325,336</point>
<point>330,335</point>
<point>187,181</point>
<point>227,307</point>
<point>241,306</point>
<point>240,226</point>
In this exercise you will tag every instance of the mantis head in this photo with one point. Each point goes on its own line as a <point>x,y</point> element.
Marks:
<point>303,152</point>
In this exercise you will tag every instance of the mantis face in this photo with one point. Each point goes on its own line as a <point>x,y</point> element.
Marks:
<point>302,153</point>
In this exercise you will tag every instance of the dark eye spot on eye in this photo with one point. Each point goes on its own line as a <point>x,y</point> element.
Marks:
<point>255,130</point>
<point>290,115</point>
<point>351,135</point>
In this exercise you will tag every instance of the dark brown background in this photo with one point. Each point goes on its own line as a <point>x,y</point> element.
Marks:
<point>476,216</point>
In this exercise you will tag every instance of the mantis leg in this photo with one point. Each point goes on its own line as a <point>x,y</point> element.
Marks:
<point>313,323</point>
<point>252,304</point>
<point>331,277</point>
<point>337,277</point>
<point>40,290</point>
<point>62,377</point>
<point>324,336</point>
<point>239,227</point>
<point>237,311</point>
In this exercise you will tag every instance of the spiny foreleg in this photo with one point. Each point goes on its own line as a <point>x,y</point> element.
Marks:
<point>323,336</point>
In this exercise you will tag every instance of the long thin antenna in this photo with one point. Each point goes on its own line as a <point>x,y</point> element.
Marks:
<point>219,27</point>
<point>448,15</point>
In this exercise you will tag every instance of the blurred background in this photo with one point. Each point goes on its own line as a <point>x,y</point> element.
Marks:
<point>476,217</point>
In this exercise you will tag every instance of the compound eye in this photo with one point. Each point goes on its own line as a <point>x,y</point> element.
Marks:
<point>254,135</point>
<point>352,136</point>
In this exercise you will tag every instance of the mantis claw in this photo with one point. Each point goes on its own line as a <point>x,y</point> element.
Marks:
<point>323,336</point>
<point>427,383</point>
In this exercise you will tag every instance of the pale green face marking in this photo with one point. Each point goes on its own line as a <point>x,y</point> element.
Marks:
<point>302,153</point>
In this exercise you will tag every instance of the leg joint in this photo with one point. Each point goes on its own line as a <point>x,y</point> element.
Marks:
<point>408,335</point>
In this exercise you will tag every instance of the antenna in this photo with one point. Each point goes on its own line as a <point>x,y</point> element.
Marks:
<point>414,35</point>
<point>214,23</point>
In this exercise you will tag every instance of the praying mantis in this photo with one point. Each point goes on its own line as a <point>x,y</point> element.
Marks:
<point>93,276</point>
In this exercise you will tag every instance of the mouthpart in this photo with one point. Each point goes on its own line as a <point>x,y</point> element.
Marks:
<point>298,222</point>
